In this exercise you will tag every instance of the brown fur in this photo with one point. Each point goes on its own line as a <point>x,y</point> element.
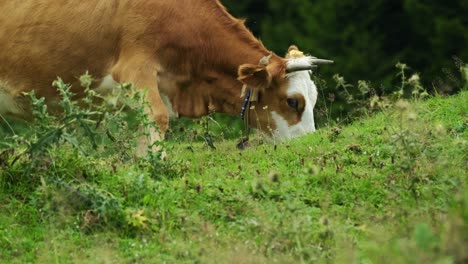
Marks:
<point>190,50</point>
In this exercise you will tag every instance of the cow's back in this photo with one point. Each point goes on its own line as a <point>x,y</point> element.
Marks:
<point>43,39</point>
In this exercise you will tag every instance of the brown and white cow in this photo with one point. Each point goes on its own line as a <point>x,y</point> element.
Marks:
<point>191,55</point>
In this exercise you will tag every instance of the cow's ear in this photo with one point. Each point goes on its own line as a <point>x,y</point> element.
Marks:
<point>255,76</point>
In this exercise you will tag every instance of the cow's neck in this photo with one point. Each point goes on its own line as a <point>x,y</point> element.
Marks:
<point>226,96</point>
<point>204,72</point>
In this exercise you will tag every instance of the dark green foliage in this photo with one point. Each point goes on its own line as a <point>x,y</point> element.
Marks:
<point>367,38</point>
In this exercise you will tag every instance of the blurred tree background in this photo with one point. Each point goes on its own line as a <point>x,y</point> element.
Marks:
<point>366,39</point>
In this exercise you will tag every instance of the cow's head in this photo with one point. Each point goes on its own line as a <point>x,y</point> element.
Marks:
<point>283,94</point>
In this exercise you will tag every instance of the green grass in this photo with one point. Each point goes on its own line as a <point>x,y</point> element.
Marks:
<point>390,188</point>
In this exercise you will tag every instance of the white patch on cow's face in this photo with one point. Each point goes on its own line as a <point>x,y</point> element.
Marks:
<point>299,83</point>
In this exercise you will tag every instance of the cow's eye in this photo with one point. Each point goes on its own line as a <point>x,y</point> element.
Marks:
<point>293,103</point>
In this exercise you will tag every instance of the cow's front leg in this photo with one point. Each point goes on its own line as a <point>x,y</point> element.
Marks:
<point>143,75</point>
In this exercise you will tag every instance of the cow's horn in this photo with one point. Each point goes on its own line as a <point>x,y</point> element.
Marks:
<point>312,64</point>
<point>296,68</point>
<point>320,61</point>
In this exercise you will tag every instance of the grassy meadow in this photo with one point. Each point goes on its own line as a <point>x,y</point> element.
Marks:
<point>388,188</point>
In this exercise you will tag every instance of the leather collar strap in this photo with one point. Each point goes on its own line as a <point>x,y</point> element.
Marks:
<point>246,103</point>
<point>244,142</point>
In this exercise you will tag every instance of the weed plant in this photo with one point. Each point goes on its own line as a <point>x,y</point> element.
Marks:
<point>58,161</point>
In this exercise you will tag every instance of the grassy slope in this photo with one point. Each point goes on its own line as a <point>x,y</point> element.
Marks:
<point>389,189</point>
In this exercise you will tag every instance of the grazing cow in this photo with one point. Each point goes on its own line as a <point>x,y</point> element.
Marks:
<point>191,55</point>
